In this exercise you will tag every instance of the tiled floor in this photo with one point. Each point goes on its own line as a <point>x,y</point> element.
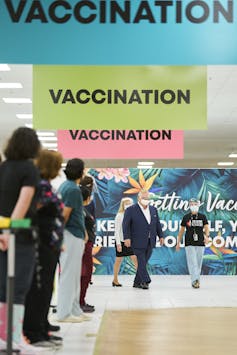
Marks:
<point>164,292</point>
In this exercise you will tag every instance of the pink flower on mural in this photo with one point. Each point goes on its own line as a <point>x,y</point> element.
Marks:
<point>105,173</point>
<point>121,174</point>
<point>118,174</point>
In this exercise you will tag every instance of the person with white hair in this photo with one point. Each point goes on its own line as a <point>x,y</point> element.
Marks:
<point>195,239</point>
<point>121,249</point>
<point>141,226</point>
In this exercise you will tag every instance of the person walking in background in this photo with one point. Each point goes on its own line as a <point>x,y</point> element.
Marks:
<point>19,179</point>
<point>195,240</point>
<point>68,309</point>
<point>51,224</point>
<point>141,226</point>
<point>87,263</point>
<point>121,249</point>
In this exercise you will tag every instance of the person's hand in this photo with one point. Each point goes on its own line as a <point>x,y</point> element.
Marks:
<point>127,243</point>
<point>178,246</point>
<point>206,240</point>
<point>119,248</point>
<point>4,239</point>
<point>161,241</point>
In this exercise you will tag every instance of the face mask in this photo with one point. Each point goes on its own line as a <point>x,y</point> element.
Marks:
<point>126,206</point>
<point>145,202</point>
<point>194,208</point>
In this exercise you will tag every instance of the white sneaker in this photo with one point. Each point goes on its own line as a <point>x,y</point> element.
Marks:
<point>74,319</point>
<point>27,349</point>
<point>83,317</point>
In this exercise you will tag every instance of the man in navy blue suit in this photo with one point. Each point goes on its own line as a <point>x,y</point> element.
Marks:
<point>141,226</point>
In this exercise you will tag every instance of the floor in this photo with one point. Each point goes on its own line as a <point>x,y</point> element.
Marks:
<point>173,331</point>
<point>166,292</point>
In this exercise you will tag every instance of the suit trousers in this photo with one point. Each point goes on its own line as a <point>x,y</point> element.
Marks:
<point>143,255</point>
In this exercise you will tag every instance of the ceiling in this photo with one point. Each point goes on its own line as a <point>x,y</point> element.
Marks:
<point>202,149</point>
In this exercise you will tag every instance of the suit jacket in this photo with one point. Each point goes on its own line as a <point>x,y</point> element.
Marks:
<point>136,227</point>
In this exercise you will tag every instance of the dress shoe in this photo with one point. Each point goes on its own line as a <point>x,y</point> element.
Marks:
<point>196,284</point>
<point>144,285</point>
<point>137,285</point>
<point>116,285</point>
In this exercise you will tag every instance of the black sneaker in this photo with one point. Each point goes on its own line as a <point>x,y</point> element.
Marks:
<point>53,328</point>
<point>87,308</point>
<point>57,341</point>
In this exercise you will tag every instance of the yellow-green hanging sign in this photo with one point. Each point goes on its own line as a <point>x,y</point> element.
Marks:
<point>120,97</point>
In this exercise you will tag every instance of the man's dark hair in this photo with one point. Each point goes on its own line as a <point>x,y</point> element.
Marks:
<point>85,193</point>
<point>74,169</point>
<point>23,144</point>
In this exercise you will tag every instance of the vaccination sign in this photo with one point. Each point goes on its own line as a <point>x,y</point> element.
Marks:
<point>215,188</point>
<point>130,144</point>
<point>179,32</point>
<point>119,97</point>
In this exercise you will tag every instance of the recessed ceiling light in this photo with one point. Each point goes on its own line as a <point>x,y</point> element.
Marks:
<point>16,100</point>
<point>146,163</point>
<point>225,163</point>
<point>49,139</point>
<point>29,125</point>
<point>24,116</point>
<point>144,167</point>
<point>4,67</point>
<point>233,155</point>
<point>45,134</point>
<point>50,145</point>
<point>11,86</point>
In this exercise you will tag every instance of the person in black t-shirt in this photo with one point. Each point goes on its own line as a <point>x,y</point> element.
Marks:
<point>195,240</point>
<point>18,183</point>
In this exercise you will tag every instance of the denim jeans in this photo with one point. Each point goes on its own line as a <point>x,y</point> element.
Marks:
<point>194,255</point>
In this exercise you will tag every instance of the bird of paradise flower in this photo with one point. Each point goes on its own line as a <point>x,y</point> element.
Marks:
<point>141,184</point>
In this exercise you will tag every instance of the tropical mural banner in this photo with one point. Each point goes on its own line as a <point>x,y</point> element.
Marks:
<point>171,188</point>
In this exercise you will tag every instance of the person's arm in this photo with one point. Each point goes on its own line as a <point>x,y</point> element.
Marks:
<point>180,236</point>
<point>127,219</point>
<point>159,231</point>
<point>66,213</point>
<point>86,237</point>
<point>206,234</point>
<point>117,227</point>
<point>23,202</point>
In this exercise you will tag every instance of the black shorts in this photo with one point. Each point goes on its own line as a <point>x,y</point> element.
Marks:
<point>125,251</point>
